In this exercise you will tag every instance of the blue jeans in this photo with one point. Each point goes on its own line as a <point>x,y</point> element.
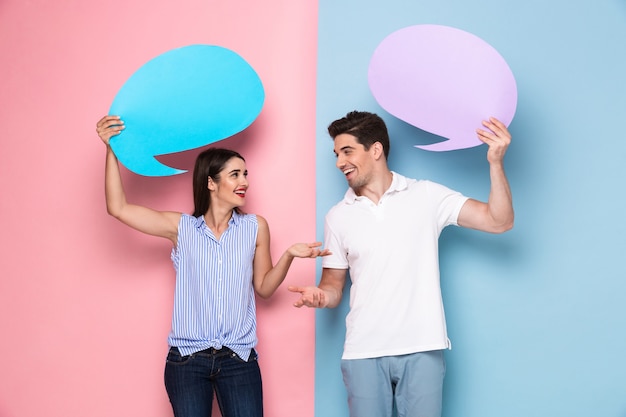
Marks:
<point>412,383</point>
<point>191,381</point>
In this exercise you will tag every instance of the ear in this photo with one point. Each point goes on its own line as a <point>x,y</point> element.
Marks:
<point>211,184</point>
<point>378,150</point>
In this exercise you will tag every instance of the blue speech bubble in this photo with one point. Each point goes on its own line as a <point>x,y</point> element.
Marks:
<point>183,99</point>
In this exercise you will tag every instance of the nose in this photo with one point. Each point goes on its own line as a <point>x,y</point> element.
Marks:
<point>340,162</point>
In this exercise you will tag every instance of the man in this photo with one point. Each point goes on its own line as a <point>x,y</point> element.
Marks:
<point>385,232</point>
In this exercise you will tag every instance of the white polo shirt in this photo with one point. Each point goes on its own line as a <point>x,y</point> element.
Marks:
<point>391,251</point>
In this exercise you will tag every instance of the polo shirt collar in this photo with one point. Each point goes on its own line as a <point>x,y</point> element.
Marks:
<point>398,183</point>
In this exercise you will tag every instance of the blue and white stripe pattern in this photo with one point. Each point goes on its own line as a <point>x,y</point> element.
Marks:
<point>214,301</point>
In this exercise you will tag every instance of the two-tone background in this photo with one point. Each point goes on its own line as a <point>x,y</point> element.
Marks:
<point>537,316</point>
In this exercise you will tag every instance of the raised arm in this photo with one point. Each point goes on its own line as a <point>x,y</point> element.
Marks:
<point>327,294</point>
<point>268,277</point>
<point>143,219</point>
<point>495,216</point>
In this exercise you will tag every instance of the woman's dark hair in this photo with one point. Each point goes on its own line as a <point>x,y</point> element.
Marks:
<point>367,128</point>
<point>209,163</point>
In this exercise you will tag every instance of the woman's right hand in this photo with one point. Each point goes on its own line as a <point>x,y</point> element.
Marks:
<point>109,126</point>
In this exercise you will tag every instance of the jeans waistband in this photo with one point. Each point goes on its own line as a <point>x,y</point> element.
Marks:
<point>209,351</point>
<point>213,351</point>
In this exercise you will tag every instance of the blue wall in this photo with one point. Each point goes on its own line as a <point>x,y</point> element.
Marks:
<point>537,316</point>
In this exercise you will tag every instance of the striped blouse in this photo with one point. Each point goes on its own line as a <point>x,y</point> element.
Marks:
<point>214,301</point>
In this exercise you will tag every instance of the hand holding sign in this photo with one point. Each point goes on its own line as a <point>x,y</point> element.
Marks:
<point>444,81</point>
<point>184,99</point>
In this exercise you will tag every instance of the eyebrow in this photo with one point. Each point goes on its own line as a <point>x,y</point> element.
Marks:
<point>344,148</point>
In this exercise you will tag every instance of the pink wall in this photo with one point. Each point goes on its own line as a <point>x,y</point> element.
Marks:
<point>85,302</point>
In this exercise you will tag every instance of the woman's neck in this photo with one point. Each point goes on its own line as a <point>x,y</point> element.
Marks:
<point>217,220</point>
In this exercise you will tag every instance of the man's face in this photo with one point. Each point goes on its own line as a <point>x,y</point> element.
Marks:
<point>354,161</point>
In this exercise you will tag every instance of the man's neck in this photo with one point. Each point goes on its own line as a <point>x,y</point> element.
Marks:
<point>376,188</point>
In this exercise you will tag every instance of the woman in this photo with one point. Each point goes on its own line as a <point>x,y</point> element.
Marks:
<point>222,258</point>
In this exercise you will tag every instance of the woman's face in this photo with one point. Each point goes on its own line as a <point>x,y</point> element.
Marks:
<point>232,184</point>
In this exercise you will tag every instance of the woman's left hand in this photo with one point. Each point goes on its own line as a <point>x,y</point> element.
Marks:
<point>307,250</point>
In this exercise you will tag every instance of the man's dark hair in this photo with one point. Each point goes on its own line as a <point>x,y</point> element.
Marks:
<point>366,127</point>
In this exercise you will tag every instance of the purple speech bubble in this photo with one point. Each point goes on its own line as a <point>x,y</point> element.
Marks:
<point>444,81</point>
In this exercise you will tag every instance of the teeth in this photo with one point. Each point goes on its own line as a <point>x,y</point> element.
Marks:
<point>347,171</point>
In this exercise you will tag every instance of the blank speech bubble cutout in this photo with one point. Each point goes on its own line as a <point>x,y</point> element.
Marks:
<point>183,99</point>
<point>444,81</point>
